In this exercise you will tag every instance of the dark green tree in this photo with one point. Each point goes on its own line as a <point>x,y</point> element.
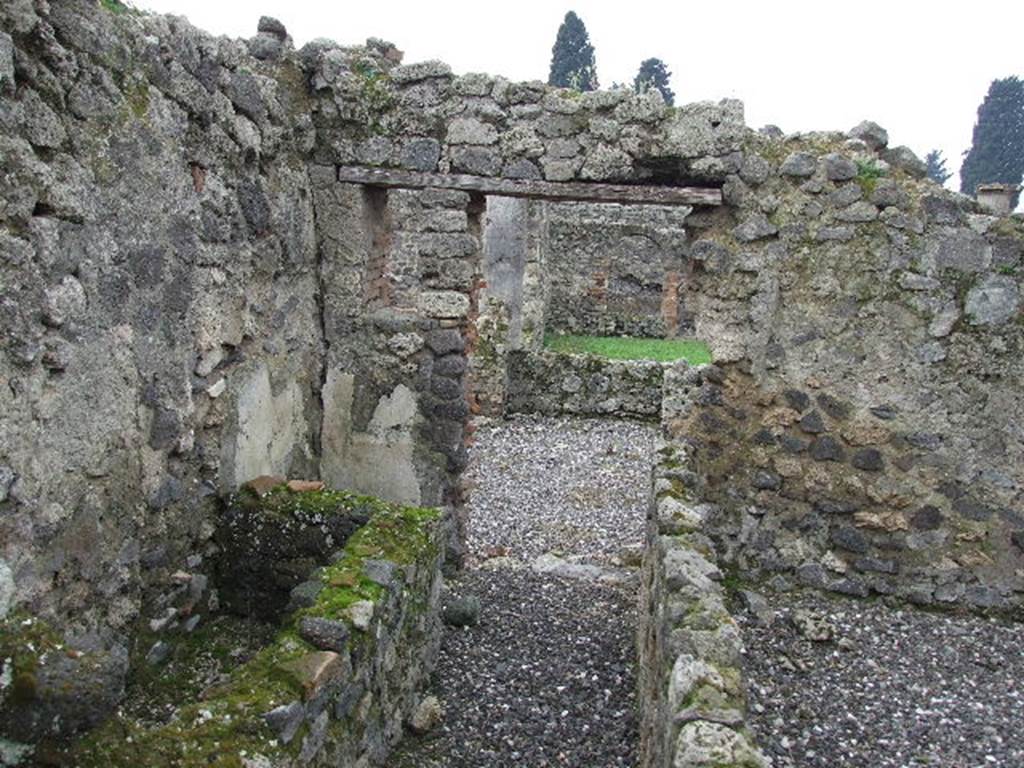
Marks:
<point>572,57</point>
<point>997,149</point>
<point>654,74</point>
<point>937,167</point>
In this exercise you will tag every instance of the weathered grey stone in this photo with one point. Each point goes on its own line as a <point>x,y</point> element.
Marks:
<point>272,26</point>
<point>324,634</point>
<point>361,614</point>
<point>872,134</point>
<point>845,195</point>
<point>797,400</point>
<point>285,720</point>
<point>461,611</point>
<point>158,653</point>
<point>606,163</point>
<point>428,715</point>
<point>305,594</point>
<point>755,170</point>
<point>6,63</point>
<point>799,165</point>
<point>444,304</point>
<point>842,234</point>
<point>64,302</point>
<point>927,518</point>
<point>709,745</point>
<point>476,160</point>
<point>758,607</point>
<point>812,423</point>
<point>838,167</point>
<point>464,130</point>
<point>755,227</point>
<point>414,73</point>
<point>767,481</point>
<point>827,448</point>
<point>973,509</point>
<point>868,459</point>
<point>7,589</point>
<point>993,301</point>
<point>861,211</point>
<point>314,740</point>
<point>850,539</point>
<point>420,154</point>
<point>383,572</point>
<point>906,160</point>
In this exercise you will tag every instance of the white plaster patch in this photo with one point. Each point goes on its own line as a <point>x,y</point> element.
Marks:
<point>6,589</point>
<point>269,428</point>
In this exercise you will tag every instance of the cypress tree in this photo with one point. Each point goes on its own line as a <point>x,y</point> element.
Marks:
<point>572,57</point>
<point>654,74</point>
<point>937,167</point>
<point>997,149</point>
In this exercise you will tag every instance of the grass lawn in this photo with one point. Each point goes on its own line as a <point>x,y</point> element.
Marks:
<point>624,348</point>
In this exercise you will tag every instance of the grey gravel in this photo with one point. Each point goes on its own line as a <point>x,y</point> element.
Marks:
<point>890,687</point>
<point>546,677</point>
<point>571,486</point>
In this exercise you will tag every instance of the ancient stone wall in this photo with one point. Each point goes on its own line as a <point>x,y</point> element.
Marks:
<point>554,383</point>
<point>616,270</point>
<point>175,312</point>
<point>865,437</point>
<point>158,298</point>
<point>190,298</point>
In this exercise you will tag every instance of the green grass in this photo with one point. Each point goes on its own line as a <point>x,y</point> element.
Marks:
<point>625,348</point>
<point>116,6</point>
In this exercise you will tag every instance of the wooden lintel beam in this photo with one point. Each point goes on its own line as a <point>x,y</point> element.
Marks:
<point>583,191</point>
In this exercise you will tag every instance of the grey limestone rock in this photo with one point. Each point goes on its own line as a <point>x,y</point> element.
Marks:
<point>993,301</point>
<point>461,611</point>
<point>304,595</point>
<point>324,634</point>
<point>839,167</point>
<point>756,227</point>
<point>426,70</point>
<point>827,448</point>
<point>285,720</point>
<point>6,62</point>
<point>872,134</point>
<point>799,165</point>
<point>906,160</point>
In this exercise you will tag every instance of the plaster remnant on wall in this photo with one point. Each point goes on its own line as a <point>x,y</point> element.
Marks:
<point>270,427</point>
<point>378,461</point>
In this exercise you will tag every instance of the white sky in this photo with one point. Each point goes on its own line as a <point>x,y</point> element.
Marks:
<point>919,69</point>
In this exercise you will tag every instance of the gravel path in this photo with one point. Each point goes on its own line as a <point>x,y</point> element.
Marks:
<point>891,689</point>
<point>547,676</point>
<point>576,486</point>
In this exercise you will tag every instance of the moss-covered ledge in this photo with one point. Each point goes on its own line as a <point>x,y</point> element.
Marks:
<point>342,675</point>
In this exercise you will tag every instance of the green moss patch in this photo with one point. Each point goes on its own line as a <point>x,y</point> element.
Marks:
<point>626,348</point>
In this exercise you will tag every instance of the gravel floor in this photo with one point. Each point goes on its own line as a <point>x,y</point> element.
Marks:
<point>547,677</point>
<point>891,688</point>
<point>575,486</point>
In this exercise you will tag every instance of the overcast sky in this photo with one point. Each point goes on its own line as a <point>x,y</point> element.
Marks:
<point>918,69</point>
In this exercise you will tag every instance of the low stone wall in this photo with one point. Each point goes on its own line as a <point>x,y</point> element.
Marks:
<point>583,385</point>
<point>692,697</point>
<point>341,678</point>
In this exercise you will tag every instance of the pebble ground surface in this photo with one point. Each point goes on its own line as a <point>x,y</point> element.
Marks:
<point>571,486</point>
<point>547,677</point>
<point>891,688</point>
